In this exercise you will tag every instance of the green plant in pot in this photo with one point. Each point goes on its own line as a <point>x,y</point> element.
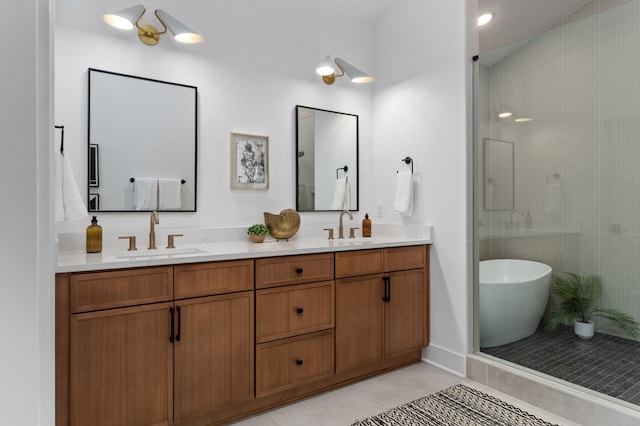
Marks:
<point>579,302</point>
<point>257,232</point>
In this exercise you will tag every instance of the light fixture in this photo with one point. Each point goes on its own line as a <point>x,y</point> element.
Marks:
<point>129,18</point>
<point>523,120</point>
<point>505,114</point>
<point>485,17</point>
<point>326,70</point>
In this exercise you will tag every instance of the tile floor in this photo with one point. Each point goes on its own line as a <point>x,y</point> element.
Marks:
<point>605,364</point>
<point>345,405</point>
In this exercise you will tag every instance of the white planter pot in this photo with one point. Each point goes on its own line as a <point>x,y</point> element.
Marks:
<point>583,330</point>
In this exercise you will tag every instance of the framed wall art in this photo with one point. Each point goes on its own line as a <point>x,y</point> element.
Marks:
<point>94,166</point>
<point>249,161</point>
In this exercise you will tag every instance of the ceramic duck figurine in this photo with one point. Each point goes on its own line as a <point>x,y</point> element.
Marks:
<point>284,225</point>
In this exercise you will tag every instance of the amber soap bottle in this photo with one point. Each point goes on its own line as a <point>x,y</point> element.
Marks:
<point>366,226</point>
<point>94,237</point>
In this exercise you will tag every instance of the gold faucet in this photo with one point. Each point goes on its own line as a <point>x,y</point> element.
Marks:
<point>341,228</point>
<point>152,230</point>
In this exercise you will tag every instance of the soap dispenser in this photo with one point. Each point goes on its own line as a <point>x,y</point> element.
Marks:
<point>94,237</point>
<point>366,226</point>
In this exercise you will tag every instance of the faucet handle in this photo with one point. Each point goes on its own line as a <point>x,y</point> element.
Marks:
<point>171,237</point>
<point>330,232</point>
<point>352,233</point>
<point>132,242</point>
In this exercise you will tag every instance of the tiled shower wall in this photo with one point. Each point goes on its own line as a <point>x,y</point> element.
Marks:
<point>580,84</point>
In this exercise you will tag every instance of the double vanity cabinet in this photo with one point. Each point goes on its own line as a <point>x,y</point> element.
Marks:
<point>204,343</point>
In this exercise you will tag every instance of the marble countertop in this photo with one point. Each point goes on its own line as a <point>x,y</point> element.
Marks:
<point>115,258</point>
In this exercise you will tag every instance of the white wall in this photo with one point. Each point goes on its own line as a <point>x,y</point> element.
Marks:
<point>420,111</point>
<point>26,257</point>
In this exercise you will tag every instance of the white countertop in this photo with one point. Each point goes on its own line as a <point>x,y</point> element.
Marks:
<point>115,258</point>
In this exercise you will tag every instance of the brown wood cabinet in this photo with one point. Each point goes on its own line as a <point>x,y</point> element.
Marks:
<point>381,315</point>
<point>205,343</point>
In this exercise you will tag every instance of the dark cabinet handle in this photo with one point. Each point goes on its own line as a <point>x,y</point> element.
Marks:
<point>179,322</point>
<point>299,310</point>
<point>386,297</point>
<point>299,270</point>
<point>298,362</point>
<point>171,315</point>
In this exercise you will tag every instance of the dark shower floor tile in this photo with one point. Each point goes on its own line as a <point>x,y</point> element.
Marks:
<point>606,364</point>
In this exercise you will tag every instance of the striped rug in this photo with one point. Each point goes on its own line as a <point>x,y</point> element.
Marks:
<point>458,405</point>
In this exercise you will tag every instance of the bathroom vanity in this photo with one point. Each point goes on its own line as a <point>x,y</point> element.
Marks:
<point>204,338</point>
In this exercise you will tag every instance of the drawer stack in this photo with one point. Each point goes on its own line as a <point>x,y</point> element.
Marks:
<point>294,321</point>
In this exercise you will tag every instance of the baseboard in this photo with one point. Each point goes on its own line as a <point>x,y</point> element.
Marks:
<point>445,359</point>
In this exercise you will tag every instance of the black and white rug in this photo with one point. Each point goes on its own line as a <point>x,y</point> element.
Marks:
<point>458,405</point>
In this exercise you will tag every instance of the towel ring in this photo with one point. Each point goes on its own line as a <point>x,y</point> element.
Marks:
<point>133,180</point>
<point>407,160</point>
<point>345,169</point>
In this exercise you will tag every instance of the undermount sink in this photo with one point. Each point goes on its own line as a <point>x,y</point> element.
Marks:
<point>160,252</point>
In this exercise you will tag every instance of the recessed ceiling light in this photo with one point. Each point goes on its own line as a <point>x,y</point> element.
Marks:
<point>486,17</point>
<point>505,114</point>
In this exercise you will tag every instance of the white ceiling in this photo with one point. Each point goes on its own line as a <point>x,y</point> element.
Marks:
<point>518,20</point>
<point>366,10</point>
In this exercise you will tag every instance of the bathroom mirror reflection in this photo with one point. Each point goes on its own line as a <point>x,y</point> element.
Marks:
<point>327,160</point>
<point>498,175</point>
<point>142,144</point>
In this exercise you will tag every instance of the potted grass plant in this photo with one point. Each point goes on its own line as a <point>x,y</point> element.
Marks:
<point>257,232</point>
<point>579,302</point>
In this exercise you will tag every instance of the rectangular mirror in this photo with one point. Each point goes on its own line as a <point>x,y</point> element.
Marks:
<point>327,154</point>
<point>498,175</point>
<point>142,144</point>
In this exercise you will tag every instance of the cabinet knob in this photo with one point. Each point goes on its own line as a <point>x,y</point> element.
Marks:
<point>298,362</point>
<point>299,270</point>
<point>299,310</point>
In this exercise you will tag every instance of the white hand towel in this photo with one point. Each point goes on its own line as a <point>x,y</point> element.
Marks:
<point>554,196</point>
<point>403,202</point>
<point>69,203</point>
<point>169,195</point>
<point>339,194</point>
<point>146,190</point>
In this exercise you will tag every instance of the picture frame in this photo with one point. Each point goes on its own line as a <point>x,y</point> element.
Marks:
<point>249,161</point>
<point>94,202</point>
<point>94,166</point>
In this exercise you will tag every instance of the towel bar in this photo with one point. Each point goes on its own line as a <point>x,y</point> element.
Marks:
<point>133,180</point>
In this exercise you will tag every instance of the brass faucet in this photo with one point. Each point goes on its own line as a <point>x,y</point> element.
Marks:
<point>152,230</point>
<point>341,228</point>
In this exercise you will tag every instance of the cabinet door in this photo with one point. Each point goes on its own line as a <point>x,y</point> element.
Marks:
<point>121,367</point>
<point>406,312</point>
<point>359,321</point>
<point>213,353</point>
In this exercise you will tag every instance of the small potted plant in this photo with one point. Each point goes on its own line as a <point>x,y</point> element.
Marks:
<point>258,232</point>
<point>579,297</point>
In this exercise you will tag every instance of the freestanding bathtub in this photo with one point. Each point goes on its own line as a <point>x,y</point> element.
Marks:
<point>513,297</point>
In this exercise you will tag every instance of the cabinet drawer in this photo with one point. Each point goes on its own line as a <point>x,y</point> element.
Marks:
<point>113,289</point>
<point>287,311</point>
<point>401,258</point>
<point>287,363</point>
<point>276,271</point>
<point>204,279</point>
<point>361,262</point>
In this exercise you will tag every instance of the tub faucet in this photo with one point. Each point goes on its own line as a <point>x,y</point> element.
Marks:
<point>341,228</point>
<point>512,223</point>
<point>152,230</point>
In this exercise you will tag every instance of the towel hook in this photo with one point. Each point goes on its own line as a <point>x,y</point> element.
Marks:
<point>61,139</point>
<point>345,169</point>
<point>408,160</point>
<point>181,181</point>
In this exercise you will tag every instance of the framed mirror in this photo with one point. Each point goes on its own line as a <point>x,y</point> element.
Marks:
<point>142,144</point>
<point>327,160</point>
<point>498,175</point>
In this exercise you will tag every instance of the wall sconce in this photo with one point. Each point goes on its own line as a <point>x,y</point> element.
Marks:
<point>127,19</point>
<point>326,70</point>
